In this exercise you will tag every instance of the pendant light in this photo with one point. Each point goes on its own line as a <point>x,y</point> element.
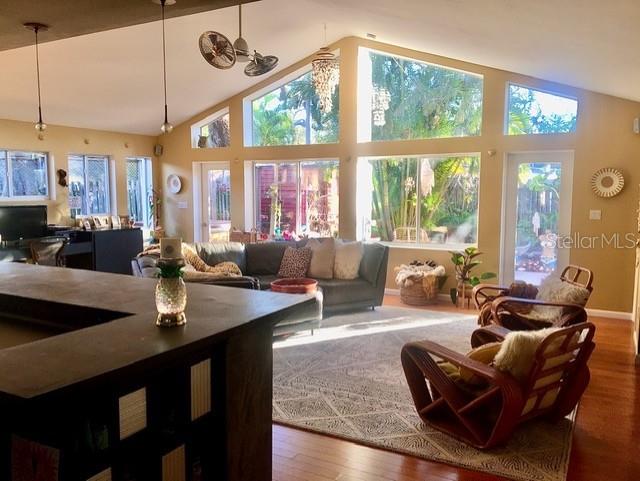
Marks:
<point>38,27</point>
<point>326,75</point>
<point>166,126</point>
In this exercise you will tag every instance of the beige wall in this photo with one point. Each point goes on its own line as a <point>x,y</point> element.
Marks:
<point>604,137</point>
<point>59,142</point>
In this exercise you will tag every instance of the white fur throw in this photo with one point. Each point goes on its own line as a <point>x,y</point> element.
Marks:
<point>517,352</point>
<point>553,289</point>
<point>406,275</point>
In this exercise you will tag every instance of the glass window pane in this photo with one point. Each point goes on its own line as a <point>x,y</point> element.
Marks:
<point>407,99</point>
<point>97,185</point>
<point>4,175</point>
<point>319,198</point>
<point>76,186</point>
<point>291,115</point>
<point>267,211</point>
<point>29,174</point>
<point>215,134</point>
<point>219,196</point>
<point>426,199</point>
<point>534,112</point>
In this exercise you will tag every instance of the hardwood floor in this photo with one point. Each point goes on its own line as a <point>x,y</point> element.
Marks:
<point>606,442</point>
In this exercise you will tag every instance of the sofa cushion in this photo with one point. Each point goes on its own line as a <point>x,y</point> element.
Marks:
<point>295,262</point>
<point>323,254</point>
<point>371,263</point>
<point>347,260</point>
<point>342,291</point>
<point>215,253</point>
<point>264,258</point>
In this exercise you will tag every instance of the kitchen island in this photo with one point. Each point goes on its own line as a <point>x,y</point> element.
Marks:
<point>100,393</point>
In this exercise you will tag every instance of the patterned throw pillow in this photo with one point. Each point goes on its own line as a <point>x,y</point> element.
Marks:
<point>295,262</point>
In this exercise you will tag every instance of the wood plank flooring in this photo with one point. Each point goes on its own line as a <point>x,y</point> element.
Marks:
<point>606,442</point>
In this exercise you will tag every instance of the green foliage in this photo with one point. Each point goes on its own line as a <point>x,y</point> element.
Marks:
<point>291,115</point>
<point>426,101</point>
<point>526,115</point>
<point>464,262</point>
<point>170,271</point>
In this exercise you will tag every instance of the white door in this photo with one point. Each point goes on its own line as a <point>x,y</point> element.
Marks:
<point>216,201</point>
<point>536,211</point>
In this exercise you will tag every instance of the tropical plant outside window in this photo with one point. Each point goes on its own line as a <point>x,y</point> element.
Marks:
<point>213,133</point>
<point>89,185</point>
<point>291,115</point>
<point>23,175</point>
<point>140,190</point>
<point>403,99</point>
<point>422,199</point>
<point>532,111</point>
<point>297,198</point>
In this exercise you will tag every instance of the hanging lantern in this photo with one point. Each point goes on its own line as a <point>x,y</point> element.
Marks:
<point>326,75</point>
<point>379,105</point>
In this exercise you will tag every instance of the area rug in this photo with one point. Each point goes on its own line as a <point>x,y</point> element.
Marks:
<point>346,380</point>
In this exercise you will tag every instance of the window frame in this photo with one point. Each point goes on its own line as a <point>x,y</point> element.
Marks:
<point>251,181</point>
<point>147,173</point>
<point>196,128</point>
<point>507,108</point>
<point>27,198</point>
<point>108,184</point>
<point>247,107</point>
<point>361,216</point>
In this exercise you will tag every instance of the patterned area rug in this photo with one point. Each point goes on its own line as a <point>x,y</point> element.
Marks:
<point>347,381</point>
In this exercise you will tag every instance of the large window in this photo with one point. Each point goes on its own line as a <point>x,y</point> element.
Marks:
<point>212,132</point>
<point>420,199</point>
<point>89,185</point>
<point>402,99</point>
<point>291,115</point>
<point>535,112</point>
<point>140,190</point>
<point>296,198</point>
<point>23,175</point>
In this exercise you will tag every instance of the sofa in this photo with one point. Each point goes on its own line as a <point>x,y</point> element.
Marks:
<point>260,262</point>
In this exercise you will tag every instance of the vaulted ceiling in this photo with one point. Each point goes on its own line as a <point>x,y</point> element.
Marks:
<point>111,80</point>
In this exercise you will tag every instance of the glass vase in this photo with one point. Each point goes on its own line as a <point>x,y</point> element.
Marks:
<point>171,300</point>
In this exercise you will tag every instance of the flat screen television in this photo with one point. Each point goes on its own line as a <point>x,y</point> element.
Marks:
<point>23,222</point>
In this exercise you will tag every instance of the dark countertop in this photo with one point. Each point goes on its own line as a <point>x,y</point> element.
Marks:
<point>68,360</point>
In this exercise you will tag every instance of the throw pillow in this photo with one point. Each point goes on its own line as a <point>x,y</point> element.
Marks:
<point>484,354</point>
<point>348,257</point>
<point>295,262</point>
<point>323,255</point>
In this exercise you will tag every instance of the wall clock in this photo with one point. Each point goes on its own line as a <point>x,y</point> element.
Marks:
<point>174,184</point>
<point>607,182</point>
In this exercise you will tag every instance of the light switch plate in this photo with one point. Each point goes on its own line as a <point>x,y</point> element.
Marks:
<point>595,214</point>
<point>182,204</point>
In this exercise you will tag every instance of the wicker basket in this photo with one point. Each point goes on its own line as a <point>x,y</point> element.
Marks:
<point>422,292</point>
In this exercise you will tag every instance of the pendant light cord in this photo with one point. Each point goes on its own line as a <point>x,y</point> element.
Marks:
<point>240,20</point>
<point>164,62</point>
<point>38,76</point>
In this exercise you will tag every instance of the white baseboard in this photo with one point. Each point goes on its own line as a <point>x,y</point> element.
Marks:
<point>625,316</point>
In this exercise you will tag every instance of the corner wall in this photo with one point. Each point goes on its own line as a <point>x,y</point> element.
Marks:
<point>604,138</point>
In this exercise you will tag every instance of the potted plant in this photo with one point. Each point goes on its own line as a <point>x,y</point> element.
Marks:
<point>464,262</point>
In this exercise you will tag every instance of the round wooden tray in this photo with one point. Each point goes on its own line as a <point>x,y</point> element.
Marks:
<point>295,286</point>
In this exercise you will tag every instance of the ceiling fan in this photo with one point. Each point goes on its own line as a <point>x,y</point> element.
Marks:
<point>219,52</point>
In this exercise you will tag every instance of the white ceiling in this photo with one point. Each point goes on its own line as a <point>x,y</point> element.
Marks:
<point>112,80</point>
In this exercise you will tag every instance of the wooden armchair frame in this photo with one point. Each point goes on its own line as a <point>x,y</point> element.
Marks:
<point>487,418</point>
<point>511,311</point>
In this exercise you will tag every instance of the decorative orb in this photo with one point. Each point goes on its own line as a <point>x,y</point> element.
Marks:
<point>166,128</point>
<point>41,126</point>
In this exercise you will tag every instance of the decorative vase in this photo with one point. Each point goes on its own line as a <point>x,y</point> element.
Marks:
<point>171,300</point>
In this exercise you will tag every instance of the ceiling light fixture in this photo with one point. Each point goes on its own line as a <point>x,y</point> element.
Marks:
<point>326,75</point>
<point>166,126</point>
<point>38,27</point>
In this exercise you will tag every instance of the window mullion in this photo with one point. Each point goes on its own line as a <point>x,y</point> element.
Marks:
<point>418,201</point>
<point>85,168</point>
<point>10,173</point>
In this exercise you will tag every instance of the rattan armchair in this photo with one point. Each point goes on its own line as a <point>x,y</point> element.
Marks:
<point>486,417</point>
<point>498,305</point>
